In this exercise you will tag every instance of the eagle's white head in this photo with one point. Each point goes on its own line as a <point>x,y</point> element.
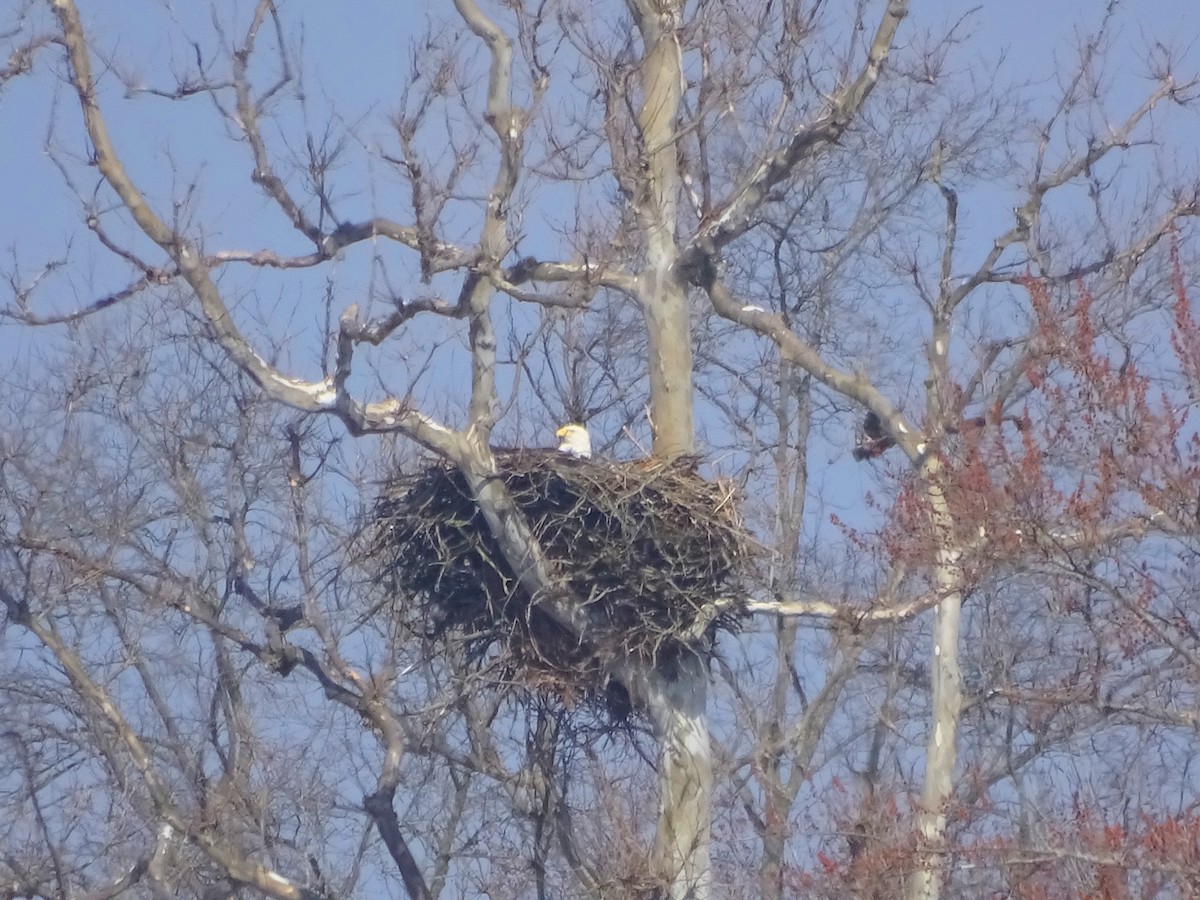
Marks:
<point>575,441</point>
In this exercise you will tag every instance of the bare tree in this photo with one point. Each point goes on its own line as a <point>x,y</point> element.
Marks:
<point>765,245</point>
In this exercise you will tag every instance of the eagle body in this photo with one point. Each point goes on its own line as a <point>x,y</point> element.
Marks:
<point>574,441</point>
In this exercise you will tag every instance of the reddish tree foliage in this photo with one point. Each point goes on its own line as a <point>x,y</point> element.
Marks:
<point>1083,495</point>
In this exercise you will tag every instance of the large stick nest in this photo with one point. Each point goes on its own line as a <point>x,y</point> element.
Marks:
<point>652,551</point>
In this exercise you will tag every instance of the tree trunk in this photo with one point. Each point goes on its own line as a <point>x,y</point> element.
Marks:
<point>946,697</point>
<point>676,688</point>
<point>662,293</point>
<point>676,694</point>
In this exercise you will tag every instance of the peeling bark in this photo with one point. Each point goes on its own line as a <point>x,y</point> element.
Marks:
<point>677,698</point>
<point>941,741</point>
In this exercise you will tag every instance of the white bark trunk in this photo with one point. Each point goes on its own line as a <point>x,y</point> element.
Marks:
<point>661,291</point>
<point>941,744</point>
<point>676,690</point>
<point>676,694</point>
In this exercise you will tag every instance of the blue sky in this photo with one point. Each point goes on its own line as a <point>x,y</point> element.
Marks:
<point>353,67</point>
<point>355,64</point>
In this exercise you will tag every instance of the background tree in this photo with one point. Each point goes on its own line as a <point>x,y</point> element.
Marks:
<point>750,222</point>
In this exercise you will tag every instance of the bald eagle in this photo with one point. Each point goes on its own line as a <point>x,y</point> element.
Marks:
<point>575,441</point>
<point>873,439</point>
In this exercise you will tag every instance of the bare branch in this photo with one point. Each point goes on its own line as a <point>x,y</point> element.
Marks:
<point>795,350</point>
<point>239,868</point>
<point>20,60</point>
<point>737,213</point>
